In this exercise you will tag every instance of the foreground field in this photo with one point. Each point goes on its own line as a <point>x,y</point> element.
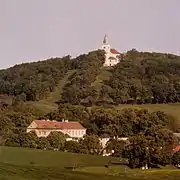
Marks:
<point>9,172</point>
<point>30,164</point>
<point>29,157</point>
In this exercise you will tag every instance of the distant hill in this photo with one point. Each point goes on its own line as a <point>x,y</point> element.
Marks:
<point>139,78</point>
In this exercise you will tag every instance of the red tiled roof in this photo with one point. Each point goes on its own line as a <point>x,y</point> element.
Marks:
<point>113,51</point>
<point>47,124</point>
<point>176,149</point>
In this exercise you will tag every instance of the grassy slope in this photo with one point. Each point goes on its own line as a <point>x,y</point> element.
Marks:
<point>103,76</point>
<point>172,109</point>
<point>48,104</point>
<point>31,164</point>
<point>23,156</point>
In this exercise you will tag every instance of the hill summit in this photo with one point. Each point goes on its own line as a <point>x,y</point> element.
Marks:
<point>99,77</point>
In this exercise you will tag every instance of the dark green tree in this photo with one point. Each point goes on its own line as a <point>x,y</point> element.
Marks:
<point>176,159</point>
<point>56,140</point>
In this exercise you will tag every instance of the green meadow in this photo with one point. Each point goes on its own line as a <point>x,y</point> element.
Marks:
<point>31,164</point>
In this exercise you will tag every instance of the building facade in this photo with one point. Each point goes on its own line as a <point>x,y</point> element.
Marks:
<point>112,57</point>
<point>43,128</point>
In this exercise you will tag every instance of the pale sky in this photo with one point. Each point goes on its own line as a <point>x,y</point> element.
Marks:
<point>32,30</point>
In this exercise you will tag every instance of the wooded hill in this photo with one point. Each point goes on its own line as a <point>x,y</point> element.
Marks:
<point>81,89</point>
<point>140,78</point>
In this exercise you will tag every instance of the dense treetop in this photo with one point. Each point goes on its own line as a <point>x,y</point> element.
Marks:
<point>79,90</point>
<point>33,81</point>
<point>145,78</point>
<point>140,77</point>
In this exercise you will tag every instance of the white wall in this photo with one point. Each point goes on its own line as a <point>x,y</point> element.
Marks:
<point>74,133</point>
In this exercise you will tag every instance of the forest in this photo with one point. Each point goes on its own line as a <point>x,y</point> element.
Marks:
<point>139,78</point>
<point>145,78</point>
<point>33,81</point>
<point>154,130</point>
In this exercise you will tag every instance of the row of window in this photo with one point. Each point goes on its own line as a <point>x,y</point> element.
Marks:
<point>76,132</point>
<point>42,133</point>
<point>71,132</point>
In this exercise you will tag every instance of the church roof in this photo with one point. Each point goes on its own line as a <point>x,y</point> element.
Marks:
<point>113,51</point>
<point>176,149</point>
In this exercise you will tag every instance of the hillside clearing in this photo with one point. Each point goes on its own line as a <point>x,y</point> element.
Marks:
<point>171,109</point>
<point>104,75</point>
<point>49,104</point>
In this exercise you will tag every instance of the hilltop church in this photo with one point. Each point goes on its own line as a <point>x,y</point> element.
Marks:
<point>112,57</point>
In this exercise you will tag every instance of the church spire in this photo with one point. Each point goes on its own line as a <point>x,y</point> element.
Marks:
<point>105,41</point>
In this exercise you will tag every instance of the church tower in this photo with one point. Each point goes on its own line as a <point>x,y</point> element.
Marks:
<point>111,55</point>
<point>105,44</point>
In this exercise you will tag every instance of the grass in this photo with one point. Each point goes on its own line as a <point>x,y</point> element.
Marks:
<point>172,109</point>
<point>32,164</point>
<point>49,158</point>
<point>47,105</point>
<point>126,173</point>
<point>103,76</point>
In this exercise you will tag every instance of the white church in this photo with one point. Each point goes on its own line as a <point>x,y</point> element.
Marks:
<point>112,57</point>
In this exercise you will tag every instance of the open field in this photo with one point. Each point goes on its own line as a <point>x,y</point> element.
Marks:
<point>49,158</point>
<point>172,109</point>
<point>31,164</point>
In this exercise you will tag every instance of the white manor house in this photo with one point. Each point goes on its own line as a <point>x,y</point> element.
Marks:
<point>43,128</point>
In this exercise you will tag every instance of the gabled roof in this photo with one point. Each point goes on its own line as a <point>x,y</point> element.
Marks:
<point>113,51</point>
<point>47,124</point>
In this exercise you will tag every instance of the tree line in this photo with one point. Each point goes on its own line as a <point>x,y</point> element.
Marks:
<point>115,122</point>
<point>151,134</point>
<point>143,77</point>
<point>78,90</point>
<point>34,81</point>
<point>140,77</point>
<point>98,120</point>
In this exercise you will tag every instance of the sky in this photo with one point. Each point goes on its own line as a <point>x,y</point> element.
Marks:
<point>33,30</point>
